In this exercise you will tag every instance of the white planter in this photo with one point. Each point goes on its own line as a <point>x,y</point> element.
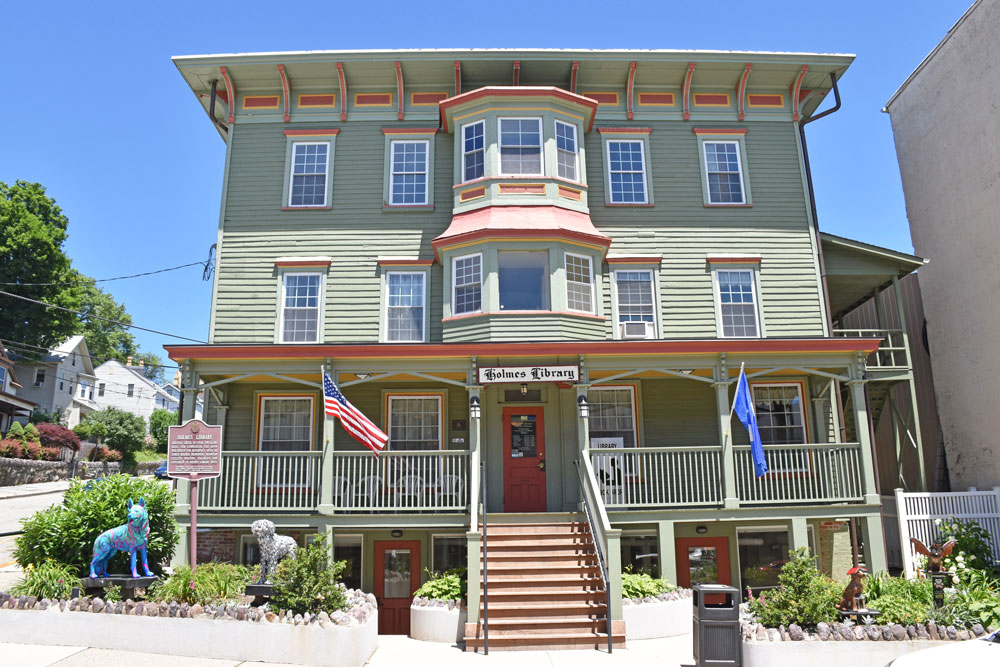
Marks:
<point>437,624</point>
<point>651,620</point>
<point>335,646</point>
<point>830,653</point>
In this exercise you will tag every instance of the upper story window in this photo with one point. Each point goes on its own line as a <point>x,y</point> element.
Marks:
<point>579,283</point>
<point>300,301</point>
<point>405,309</point>
<point>566,152</point>
<point>627,172</point>
<point>131,390</point>
<point>737,300</point>
<point>100,389</point>
<point>524,280</point>
<point>310,166</point>
<point>779,413</point>
<point>636,316</point>
<point>409,173</point>
<point>474,151</point>
<point>39,377</point>
<point>723,172</point>
<point>83,390</point>
<point>468,284</point>
<point>521,146</point>
<point>3,377</point>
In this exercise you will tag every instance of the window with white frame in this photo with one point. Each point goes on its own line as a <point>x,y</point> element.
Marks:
<point>409,173</point>
<point>309,172</point>
<point>300,300</point>
<point>39,377</point>
<point>521,146</point>
<point>414,423</point>
<point>579,283</point>
<point>467,277</point>
<point>3,377</point>
<point>779,412</point>
<point>612,426</point>
<point>634,290</point>
<point>100,389</point>
<point>723,172</point>
<point>286,423</point>
<point>523,279</point>
<point>83,390</point>
<point>566,151</point>
<point>627,172</point>
<point>737,303</point>
<point>473,151</point>
<point>405,307</point>
<point>131,390</point>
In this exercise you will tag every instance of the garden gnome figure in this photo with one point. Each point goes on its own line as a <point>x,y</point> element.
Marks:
<point>272,548</point>
<point>849,599</point>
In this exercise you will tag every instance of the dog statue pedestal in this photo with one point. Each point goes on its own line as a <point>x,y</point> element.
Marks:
<point>97,586</point>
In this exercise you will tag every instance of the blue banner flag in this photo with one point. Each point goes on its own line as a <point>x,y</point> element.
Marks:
<point>743,409</point>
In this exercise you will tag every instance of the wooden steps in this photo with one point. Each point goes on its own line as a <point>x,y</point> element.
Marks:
<point>545,590</point>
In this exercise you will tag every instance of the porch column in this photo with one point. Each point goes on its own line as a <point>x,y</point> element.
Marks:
<point>798,533</point>
<point>326,467</point>
<point>874,543</point>
<point>474,457</point>
<point>473,540</point>
<point>614,557</point>
<point>666,549</point>
<point>864,438</point>
<point>583,422</point>
<point>729,498</point>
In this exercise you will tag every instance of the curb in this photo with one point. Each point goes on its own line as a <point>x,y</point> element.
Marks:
<point>30,495</point>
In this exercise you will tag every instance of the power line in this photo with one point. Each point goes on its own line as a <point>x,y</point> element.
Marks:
<point>27,346</point>
<point>65,377</point>
<point>90,281</point>
<point>103,319</point>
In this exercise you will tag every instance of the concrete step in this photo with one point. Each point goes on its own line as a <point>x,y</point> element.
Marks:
<point>539,571</point>
<point>537,529</point>
<point>545,609</point>
<point>545,641</point>
<point>536,625</point>
<point>529,596</point>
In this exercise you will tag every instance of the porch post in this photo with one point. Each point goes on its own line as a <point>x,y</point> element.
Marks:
<point>326,467</point>
<point>798,533</point>
<point>729,498</point>
<point>614,557</point>
<point>864,435</point>
<point>473,538</point>
<point>874,543</point>
<point>666,548</point>
<point>474,461</point>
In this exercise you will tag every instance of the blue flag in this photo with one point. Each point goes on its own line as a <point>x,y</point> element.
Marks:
<point>743,408</point>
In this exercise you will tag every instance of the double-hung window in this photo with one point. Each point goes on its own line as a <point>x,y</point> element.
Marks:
<point>723,172</point>
<point>300,306</point>
<point>612,427</point>
<point>414,422</point>
<point>579,283</point>
<point>409,173</point>
<point>473,151</point>
<point>131,390</point>
<point>467,278</point>
<point>405,307</point>
<point>309,173</point>
<point>40,377</point>
<point>737,303</point>
<point>521,146</point>
<point>781,421</point>
<point>286,425</point>
<point>566,151</point>
<point>636,305</point>
<point>627,172</point>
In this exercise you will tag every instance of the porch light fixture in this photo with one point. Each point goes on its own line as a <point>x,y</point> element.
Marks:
<point>701,530</point>
<point>524,389</point>
<point>396,533</point>
<point>687,371</point>
<point>583,406</point>
<point>474,410</point>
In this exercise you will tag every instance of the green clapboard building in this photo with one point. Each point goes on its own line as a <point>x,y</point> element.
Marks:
<point>540,273</point>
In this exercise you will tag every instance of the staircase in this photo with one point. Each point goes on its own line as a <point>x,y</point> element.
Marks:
<point>545,590</point>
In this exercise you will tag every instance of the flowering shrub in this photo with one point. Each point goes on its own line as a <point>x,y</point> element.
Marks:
<point>973,549</point>
<point>803,596</point>
<point>47,579</point>
<point>51,454</point>
<point>55,435</point>
<point>11,449</point>
<point>32,450</point>
<point>31,434</point>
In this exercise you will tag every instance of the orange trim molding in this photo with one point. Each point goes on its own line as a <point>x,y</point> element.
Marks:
<point>409,130</point>
<point>656,99</point>
<point>312,133</point>
<point>405,262</point>
<point>718,130</point>
<point>602,97</point>
<point>373,99</point>
<point>426,99</point>
<point>776,101</point>
<point>625,130</point>
<point>747,259</point>
<point>261,101</point>
<point>711,99</point>
<point>471,193</point>
<point>570,193</point>
<point>636,259</point>
<point>304,262</point>
<point>522,188</point>
<point>317,101</point>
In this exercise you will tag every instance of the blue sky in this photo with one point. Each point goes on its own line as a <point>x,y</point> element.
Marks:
<point>95,110</point>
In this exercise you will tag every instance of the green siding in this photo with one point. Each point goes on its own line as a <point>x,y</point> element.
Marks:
<point>523,327</point>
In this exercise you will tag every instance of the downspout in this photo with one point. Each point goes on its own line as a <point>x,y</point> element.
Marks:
<point>211,109</point>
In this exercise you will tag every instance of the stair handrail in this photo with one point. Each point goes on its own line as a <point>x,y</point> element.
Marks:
<point>588,491</point>
<point>486,582</point>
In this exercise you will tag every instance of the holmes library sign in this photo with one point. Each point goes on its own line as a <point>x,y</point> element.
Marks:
<point>194,450</point>
<point>497,374</point>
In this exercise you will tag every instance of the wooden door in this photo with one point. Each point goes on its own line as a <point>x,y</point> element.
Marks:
<point>702,560</point>
<point>397,575</point>
<point>524,459</point>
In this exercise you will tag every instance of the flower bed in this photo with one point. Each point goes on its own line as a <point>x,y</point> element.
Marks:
<point>437,620</point>
<point>666,615</point>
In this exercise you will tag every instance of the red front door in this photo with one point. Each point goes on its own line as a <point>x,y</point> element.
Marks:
<point>702,560</point>
<point>523,460</point>
<point>397,575</point>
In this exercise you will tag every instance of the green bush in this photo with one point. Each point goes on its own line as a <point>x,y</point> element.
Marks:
<point>641,585</point>
<point>43,416</point>
<point>16,432</point>
<point>159,423</point>
<point>125,432</point>
<point>804,596</point>
<point>448,585</point>
<point>309,582</point>
<point>66,533</point>
<point>973,549</point>
<point>48,579</point>
<point>900,600</point>
<point>213,582</point>
<point>31,434</point>
<point>112,593</point>
<point>976,597</point>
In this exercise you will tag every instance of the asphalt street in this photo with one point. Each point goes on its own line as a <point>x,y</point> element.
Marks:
<point>13,508</point>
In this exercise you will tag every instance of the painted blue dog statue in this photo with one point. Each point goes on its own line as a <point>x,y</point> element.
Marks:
<point>131,537</point>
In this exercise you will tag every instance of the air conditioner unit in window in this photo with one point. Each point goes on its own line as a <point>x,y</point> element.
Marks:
<point>637,330</point>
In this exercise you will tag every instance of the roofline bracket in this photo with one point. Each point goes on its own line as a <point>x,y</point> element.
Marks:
<point>629,91</point>
<point>686,91</point>
<point>343,92</point>
<point>286,89</point>
<point>741,91</point>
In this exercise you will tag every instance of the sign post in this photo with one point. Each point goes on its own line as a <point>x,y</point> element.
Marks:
<point>194,452</point>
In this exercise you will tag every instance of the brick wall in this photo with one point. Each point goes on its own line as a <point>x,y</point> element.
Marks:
<point>216,545</point>
<point>835,549</point>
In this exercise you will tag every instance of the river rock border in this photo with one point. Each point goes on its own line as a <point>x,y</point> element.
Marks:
<point>837,632</point>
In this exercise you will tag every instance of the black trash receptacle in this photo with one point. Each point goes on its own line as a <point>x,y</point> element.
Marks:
<point>716,626</point>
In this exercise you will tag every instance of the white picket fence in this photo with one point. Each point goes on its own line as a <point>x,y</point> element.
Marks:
<point>917,513</point>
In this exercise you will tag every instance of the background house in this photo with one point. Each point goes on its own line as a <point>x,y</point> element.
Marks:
<point>11,405</point>
<point>61,380</point>
<point>127,388</point>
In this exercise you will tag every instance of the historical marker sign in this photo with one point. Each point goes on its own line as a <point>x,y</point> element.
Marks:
<point>194,449</point>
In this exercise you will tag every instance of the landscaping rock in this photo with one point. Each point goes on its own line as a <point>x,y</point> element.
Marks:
<point>172,609</point>
<point>152,610</point>
<point>241,614</point>
<point>823,631</point>
<point>886,633</point>
<point>898,633</point>
<point>195,610</point>
<point>140,608</point>
<point>62,605</point>
<point>952,632</point>
<point>219,612</point>
<point>845,633</point>
<point>795,632</point>
<point>29,603</point>
<point>911,631</point>
<point>978,630</point>
<point>109,608</point>
<point>98,606</point>
<point>21,601</point>
<point>932,630</point>
<point>922,631</point>
<point>772,635</point>
<point>859,633</point>
<point>964,635</point>
<point>872,633</point>
<point>183,610</point>
<point>119,607</point>
<point>164,609</point>
<point>270,616</point>
<point>306,618</point>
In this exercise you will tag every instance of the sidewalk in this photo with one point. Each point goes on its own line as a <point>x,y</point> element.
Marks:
<point>27,490</point>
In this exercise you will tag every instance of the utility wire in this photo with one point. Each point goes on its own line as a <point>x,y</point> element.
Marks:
<point>26,346</point>
<point>65,376</point>
<point>103,319</point>
<point>30,363</point>
<point>90,281</point>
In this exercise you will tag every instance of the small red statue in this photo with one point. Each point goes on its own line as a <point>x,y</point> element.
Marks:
<point>849,599</point>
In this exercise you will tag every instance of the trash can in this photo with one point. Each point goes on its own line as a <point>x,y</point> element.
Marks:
<point>716,626</point>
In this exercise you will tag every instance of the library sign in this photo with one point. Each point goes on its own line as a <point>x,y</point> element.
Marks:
<point>498,374</point>
<point>194,450</point>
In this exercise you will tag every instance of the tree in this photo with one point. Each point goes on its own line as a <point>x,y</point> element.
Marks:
<point>153,368</point>
<point>126,432</point>
<point>32,233</point>
<point>159,423</point>
<point>104,339</point>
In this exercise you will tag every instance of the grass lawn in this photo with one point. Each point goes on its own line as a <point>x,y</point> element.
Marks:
<point>149,455</point>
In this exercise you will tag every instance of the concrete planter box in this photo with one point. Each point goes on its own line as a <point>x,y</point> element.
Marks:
<point>652,620</point>
<point>337,646</point>
<point>830,653</point>
<point>438,623</point>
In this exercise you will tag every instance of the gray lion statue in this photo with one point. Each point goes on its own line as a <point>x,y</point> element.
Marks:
<point>272,548</point>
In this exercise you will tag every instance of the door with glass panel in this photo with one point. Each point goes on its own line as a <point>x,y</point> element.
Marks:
<point>397,575</point>
<point>702,560</point>
<point>286,425</point>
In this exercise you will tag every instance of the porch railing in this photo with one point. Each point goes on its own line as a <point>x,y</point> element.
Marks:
<point>436,481</point>
<point>273,481</point>
<point>651,477</point>
<point>801,474</point>
<point>893,352</point>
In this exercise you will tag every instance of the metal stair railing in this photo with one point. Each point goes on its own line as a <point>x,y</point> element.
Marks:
<point>594,508</point>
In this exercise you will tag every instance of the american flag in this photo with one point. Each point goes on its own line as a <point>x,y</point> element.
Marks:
<point>360,427</point>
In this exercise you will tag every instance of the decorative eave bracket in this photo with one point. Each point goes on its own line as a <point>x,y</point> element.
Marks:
<point>286,89</point>
<point>741,91</point>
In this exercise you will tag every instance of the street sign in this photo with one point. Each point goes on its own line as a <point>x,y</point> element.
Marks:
<point>194,451</point>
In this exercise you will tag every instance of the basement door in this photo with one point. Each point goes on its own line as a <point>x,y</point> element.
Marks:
<point>703,560</point>
<point>397,575</point>
<point>524,459</point>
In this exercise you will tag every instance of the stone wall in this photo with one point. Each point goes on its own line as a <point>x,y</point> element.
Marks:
<point>25,471</point>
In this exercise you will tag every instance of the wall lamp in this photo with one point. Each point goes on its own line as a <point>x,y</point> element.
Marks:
<point>524,389</point>
<point>583,406</point>
<point>474,409</point>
